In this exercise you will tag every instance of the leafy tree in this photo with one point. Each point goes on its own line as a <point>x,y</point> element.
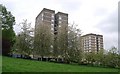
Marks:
<point>74,51</point>
<point>24,40</point>
<point>90,57</point>
<point>99,58</point>
<point>62,42</point>
<point>43,40</point>
<point>112,58</point>
<point>8,34</point>
<point>94,58</point>
<point>118,60</point>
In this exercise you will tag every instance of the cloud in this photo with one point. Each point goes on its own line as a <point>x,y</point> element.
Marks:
<point>109,24</point>
<point>109,28</point>
<point>70,5</point>
<point>110,40</point>
<point>96,16</point>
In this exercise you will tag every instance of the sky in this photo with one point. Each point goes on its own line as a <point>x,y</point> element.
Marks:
<point>91,16</point>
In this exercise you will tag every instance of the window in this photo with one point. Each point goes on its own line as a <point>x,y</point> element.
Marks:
<point>90,42</point>
<point>59,25</point>
<point>59,22</point>
<point>52,29</point>
<point>52,24</point>
<point>52,20</point>
<point>52,15</point>
<point>89,50</point>
<point>42,15</point>
<point>89,37</point>
<point>90,45</point>
<point>60,18</point>
<point>94,38</point>
<point>42,18</point>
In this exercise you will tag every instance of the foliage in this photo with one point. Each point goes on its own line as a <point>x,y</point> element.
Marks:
<point>109,59</point>
<point>112,58</point>
<point>24,40</point>
<point>8,34</point>
<point>43,40</point>
<point>74,51</point>
<point>62,41</point>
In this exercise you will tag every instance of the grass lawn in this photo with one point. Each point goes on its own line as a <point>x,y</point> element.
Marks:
<point>0,63</point>
<point>22,65</point>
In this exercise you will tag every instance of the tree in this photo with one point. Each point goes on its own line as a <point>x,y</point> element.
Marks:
<point>112,58</point>
<point>24,40</point>
<point>74,51</point>
<point>118,60</point>
<point>8,34</point>
<point>100,58</point>
<point>43,40</point>
<point>95,58</point>
<point>90,57</point>
<point>62,42</point>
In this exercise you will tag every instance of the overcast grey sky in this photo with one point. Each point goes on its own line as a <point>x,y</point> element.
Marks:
<point>91,16</point>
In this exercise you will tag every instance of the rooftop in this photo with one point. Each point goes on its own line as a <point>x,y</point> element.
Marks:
<point>92,34</point>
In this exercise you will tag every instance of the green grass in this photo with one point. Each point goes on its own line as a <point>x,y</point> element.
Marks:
<point>22,65</point>
<point>0,63</point>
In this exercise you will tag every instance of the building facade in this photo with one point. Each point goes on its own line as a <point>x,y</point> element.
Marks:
<point>92,42</point>
<point>60,33</point>
<point>45,19</point>
<point>61,21</point>
<point>50,24</point>
<point>44,31</point>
